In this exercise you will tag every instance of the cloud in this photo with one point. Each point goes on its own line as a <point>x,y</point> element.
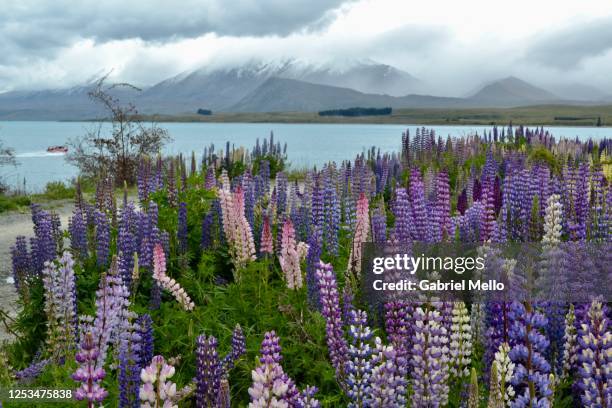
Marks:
<point>568,48</point>
<point>32,24</point>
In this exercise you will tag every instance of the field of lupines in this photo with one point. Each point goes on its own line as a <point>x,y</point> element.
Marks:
<point>226,284</point>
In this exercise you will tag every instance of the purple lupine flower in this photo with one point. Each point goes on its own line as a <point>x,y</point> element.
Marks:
<point>102,238</point>
<point>89,374</point>
<point>388,386</point>
<point>32,371</point>
<point>129,363</point>
<point>281,193</point>
<point>379,225</point>
<point>210,181</point>
<point>403,216</point>
<point>127,245</point>
<point>330,308</point>
<point>317,207</point>
<point>462,202</point>
<point>182,227</point>
<point>60,304</point>
<point>43,245</point>
<point>208,371</point>
<point>111,298</point>
<point>237,350</point>
<point>429,359</point>
<point>315,243</point>
<point>21,263</point>
<point>358,366</point>
<point>418,206</point>
<point>307,398</point>
<point>145,330</point>
<point>595,343</point>
<point>442,209</point>
<point>271,386</point>
<point>530,378</point>
<point>78,234</point>
<point>331,205</point>
<point>399,330</point>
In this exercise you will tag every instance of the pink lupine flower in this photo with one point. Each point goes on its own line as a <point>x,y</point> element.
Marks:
<point>235,225</point>
<point>362,230</point>
<point>159,274</point>
<point>291,256</point>
<point>266,246</point>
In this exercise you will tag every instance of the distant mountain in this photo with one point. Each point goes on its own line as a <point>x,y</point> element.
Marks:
<point>365,76</point>
<point>282,94</point>
<point>512,91</point>
<point>581,92</point>
<point>280,85</point>
<point>220,89</point>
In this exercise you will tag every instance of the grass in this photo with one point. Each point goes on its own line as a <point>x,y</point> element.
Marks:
<point>542,115</point>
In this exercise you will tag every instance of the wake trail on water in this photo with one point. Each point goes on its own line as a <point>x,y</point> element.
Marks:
<point>41,153</point>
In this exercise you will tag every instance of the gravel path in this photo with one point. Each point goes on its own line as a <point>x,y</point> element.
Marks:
<point>13,224</point>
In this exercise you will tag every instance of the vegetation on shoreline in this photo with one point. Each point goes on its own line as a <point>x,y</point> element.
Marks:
<point>544,115</point>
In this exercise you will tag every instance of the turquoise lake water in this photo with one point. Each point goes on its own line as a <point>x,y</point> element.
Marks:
<point>307,144</point>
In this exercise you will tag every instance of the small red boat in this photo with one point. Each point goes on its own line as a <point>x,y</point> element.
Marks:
<point>57,149</point>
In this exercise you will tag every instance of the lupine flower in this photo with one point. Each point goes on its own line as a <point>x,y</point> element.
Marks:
<point>78,233</point>
<point>145,329</point>
<point>358,366</point>
<point>474,395</point>
<point>43,245</point>
<point>111,302</point>
<point>235,225</point>
<point>127,245</point>
<point>129,362</point>
<point>496,399</point>
<point>156,391</point>
<point>331,213</point>
<point>362,231</point>
<point>237,350</point>
<point>418,207</point>
<point>330,308</point>
<point>182,227</point>
<point>530,377</point>
<point>266,246</point>
<point>570,349</point>
<point>21,264</point>
<point>403,216</point>
<point>429,361</point>
<point>595,341</point>
<point>315,244</point>
<point>208,371</point>
<point>388,387</point>
<point>505,373</point>
<point>102,238</point>
<point>89,374</point>
<point>32,371</point>
<point>291,256</point>
<point>460,341</point>
<point>271,386</point>
<point>60,304</point>
<point>379,225</point>
<point>168,283</point>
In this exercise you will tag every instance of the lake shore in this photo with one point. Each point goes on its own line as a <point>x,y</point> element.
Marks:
<point>542,115</point>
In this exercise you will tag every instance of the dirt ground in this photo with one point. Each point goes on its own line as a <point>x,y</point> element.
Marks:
<point>13,224</point>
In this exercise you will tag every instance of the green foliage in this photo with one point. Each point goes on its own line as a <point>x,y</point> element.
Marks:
<point>12,203</point>
<point>56,190</point>
<point>546,157</point>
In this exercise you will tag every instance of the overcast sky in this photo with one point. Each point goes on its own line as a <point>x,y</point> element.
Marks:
<point>454,46</point>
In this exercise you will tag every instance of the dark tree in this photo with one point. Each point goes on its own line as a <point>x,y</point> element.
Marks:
<point>115,152</point>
